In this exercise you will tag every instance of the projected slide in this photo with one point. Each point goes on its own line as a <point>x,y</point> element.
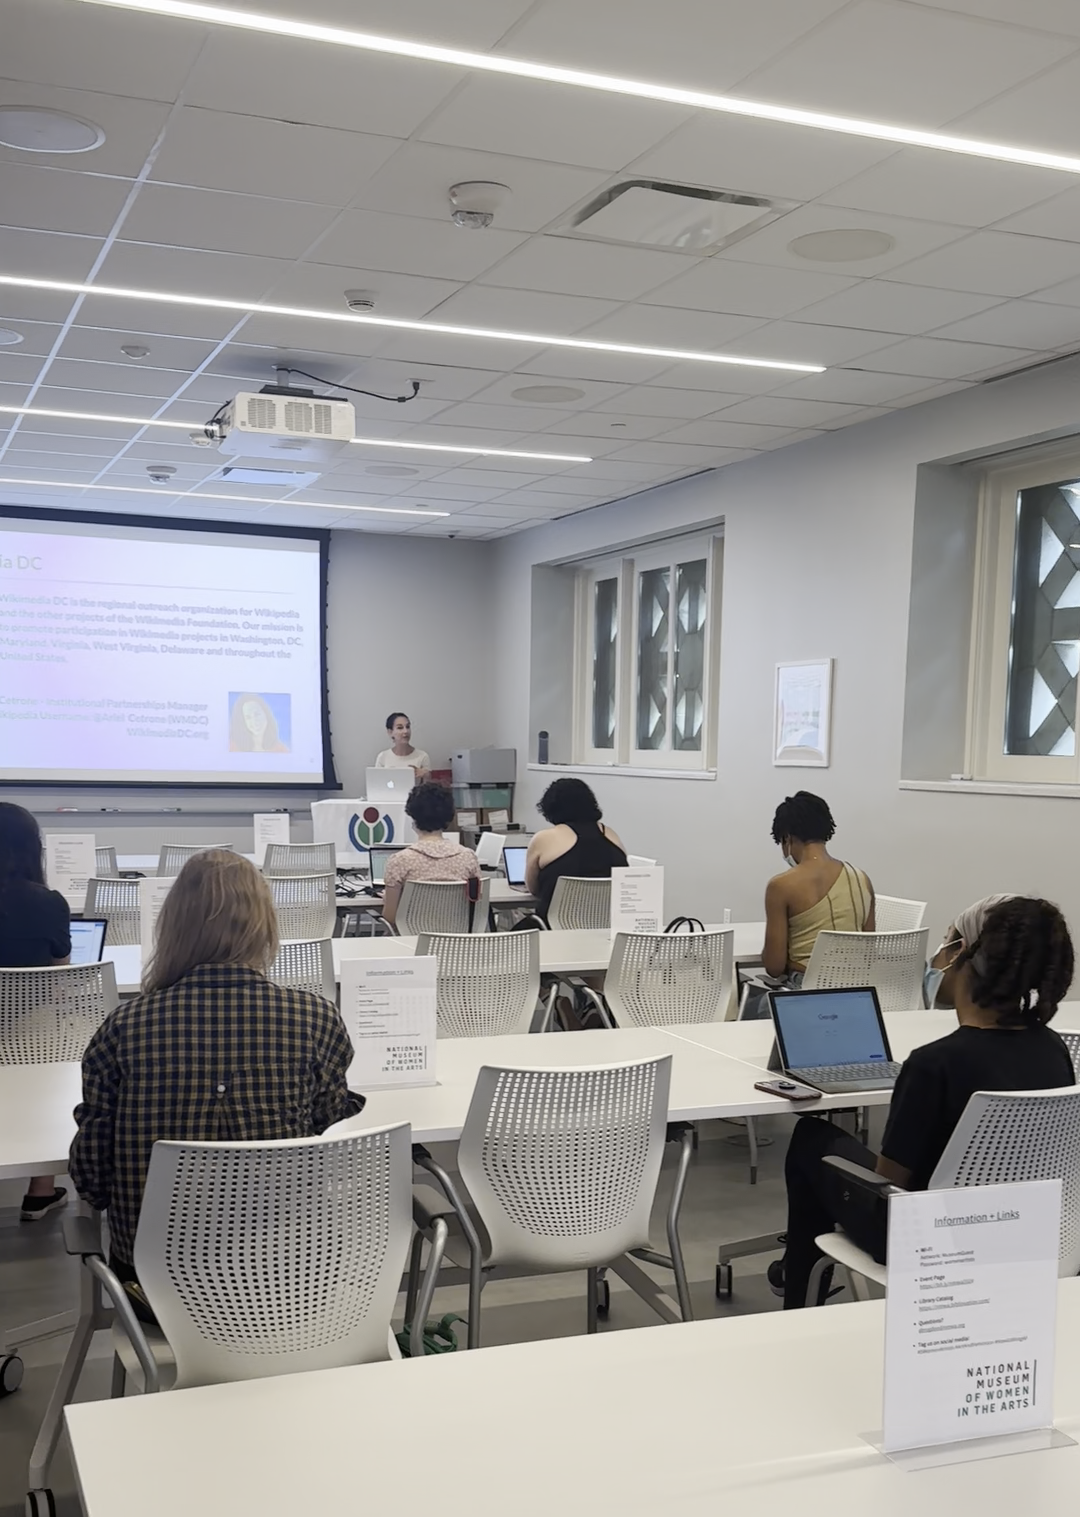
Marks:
<point>158,654</point>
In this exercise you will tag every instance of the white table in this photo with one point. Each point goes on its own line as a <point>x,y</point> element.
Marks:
<point>753,1041</point>
<point>37,1102</point>
<point>560,952</point>
<point>764,1416</point>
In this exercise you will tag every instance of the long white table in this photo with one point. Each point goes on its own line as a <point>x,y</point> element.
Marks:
<point>759,1415</point>
<point>560,952</point>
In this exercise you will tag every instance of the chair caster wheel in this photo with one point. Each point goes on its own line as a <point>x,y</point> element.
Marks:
<point>603,1298</point>
<point>11,1373</point>
<point>725,1283</point>
<point>40,1504</point>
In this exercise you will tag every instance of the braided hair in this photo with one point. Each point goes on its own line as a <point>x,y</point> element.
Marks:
<point>803,816</point>
<point>1021,962</point>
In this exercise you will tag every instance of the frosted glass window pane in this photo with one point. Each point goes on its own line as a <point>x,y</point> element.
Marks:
<point>690,606</point>
<point>654,592</point>
<point>605,661</point>
<point>1044,651</point>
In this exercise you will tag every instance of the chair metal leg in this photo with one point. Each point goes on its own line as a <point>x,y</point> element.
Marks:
<point>751,1138</point>
<point>118,1384</point>
<point>674,1209</point>
<point>439,1235</point>
<point>592,1296</point>
<point>93,1315</point>
<point>817,1276</point>
<point>476,1250</point>
<point>413,1288</point>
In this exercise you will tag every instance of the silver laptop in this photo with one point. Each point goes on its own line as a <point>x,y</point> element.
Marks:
<point>377,860</point>
<point>88,939</point>
<point>389,784</point>
<point>834,1040</point>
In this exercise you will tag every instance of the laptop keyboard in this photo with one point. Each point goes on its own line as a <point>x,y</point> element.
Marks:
<point>834,1073</point>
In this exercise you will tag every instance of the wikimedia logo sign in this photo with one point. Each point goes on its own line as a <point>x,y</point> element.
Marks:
<point>370,827</point>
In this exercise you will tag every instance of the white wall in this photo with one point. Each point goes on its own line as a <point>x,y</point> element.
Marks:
<point>411,627</point>
<point>818,549</point>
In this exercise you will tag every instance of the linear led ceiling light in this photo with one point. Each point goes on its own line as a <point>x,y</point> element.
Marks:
<point>520,68</point>
<point>243,500</point>
<point>363,442</point>
<point>533,339</point>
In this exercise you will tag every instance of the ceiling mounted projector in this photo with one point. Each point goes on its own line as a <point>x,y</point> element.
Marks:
<point>286,423</point>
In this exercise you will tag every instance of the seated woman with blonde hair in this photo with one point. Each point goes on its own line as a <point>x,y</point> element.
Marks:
<point>211,1051</point>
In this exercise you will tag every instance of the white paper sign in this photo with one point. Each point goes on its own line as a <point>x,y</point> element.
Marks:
<point>152,893</point>
<point>69,863</point>
<point>467,820</point>
<point>270,827</point>
<point>971,1312</point>
<point>637,900</point>
<point>388,1007</point>
<point>500,820</point>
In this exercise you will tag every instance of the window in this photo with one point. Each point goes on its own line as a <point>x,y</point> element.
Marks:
<point>644,632</point>
<point>1027,626</point>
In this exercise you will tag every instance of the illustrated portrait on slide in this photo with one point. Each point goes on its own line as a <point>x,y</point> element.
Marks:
<point>259,723</point>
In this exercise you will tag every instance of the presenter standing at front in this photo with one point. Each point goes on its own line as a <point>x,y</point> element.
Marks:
<point>402,754</point>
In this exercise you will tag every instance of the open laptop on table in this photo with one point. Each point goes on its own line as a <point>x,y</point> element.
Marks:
<point>834,1040</point>
<point>389,784</point>
<point>88,939</point>
<point>377,861</point>
<point>513,859</point>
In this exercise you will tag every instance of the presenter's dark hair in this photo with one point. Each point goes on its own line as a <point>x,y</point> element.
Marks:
<point>803,816</point>
<point>20,847</point>
<point>569,801</point>
<point>1021,962</point>
<point>392,718</point>
<point>430,806</point>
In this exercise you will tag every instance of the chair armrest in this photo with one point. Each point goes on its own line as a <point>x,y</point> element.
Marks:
<point>121,1302</point>
<point>866,1179</point>
<point>82,1235</point>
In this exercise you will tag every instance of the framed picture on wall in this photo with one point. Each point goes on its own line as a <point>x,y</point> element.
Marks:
<point>803,713</point>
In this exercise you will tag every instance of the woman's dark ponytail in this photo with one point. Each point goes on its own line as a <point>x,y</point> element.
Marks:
<point>1022,961</point>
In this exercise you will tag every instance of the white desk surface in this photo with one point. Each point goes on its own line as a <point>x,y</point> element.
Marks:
<point>763,1416</point>
<point>37,1102</point>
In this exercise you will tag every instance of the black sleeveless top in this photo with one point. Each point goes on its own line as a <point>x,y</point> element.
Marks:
<point>592,857</point>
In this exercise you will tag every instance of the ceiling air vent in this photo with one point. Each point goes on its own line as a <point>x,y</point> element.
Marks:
<point>678,217</point>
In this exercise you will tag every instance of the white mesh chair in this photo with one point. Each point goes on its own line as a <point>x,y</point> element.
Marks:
<point>893,962</point>
<point>488,983</point>
<point>661,979</point>
<point>1002,1136</point>
<point>893,914</point>
<point>561,1167</point>
<point>174,856</point>
<point>305,904</point>
<point>1072,1043</point>
<point>300,858</point>
<point>105,865</point>
<point>258,1259</point>
<point>435,906</point>
<point>306,965</point>
<point>47,1016</point>
<point>580,904</point>
<point>118,900</point>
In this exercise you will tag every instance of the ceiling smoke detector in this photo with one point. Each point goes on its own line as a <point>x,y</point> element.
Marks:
<point>475,201</point>
<point>135,351</point>
<point>360,301</point>
<point>161,473</point>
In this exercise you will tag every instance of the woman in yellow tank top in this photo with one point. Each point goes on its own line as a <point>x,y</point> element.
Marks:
<point>816,893</point>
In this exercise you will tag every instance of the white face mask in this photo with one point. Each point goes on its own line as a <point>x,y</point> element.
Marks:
<point>789,861</point>
<point>932,979</point>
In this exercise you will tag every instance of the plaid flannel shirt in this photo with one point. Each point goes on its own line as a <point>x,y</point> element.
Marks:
<point>224,1055</point>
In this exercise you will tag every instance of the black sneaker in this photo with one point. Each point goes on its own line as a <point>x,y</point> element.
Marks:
<point>34,1207</point>
<point>775,1276</point>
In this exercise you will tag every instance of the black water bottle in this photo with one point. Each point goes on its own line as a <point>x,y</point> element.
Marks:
<point>542,749</point>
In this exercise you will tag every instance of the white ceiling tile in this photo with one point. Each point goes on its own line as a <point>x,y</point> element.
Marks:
<point>1020,324</point>
<point>417,180</point>
<point>181,353</point>
<point>932,392</point>
<point>44,255</point>
<point>946,187</point>
<point>652,401</point>
<point>264,76</point>
<point>438,492</point>
<point>679,458</point>
<point>803,342</point>
<point>938,358</point>
<point>217,150</point>
<point>46,444</point>
<point>408,245</point>
<point>322,286</point>
<point>114,378</point>
<point>771,245</point>
<point>695,47</point>
<point>117,52</point>
<point>887,61</point>
<point>19,368</point>
<point>759,157</point>
<point>486,478</point>
<point>1059,217</point>
<point>1046,15</point>
<point>577,486</point>
<point>189,271</point>
<point>571,266</point>
<point>787,411</point>
<point>500,391</point>
<point>439,382</point>
<point>484,305</point>
<point>151,317</point>
<point>856,386</point>
<point>620,470</point>
<point>84,400</point>
<point>20,306</point>
<point>508,421</point>
<point>596,446</point>
<point>1039,114</point>
<point>177,216</point>
<point>13,394</point>
<point>884,306</point>
<point>724,434</point>
<point>675,327</point>
<point>723,380</point>
<point>602,424</point>
<point>748,289</point>
<point>1067,294</point>
<point>131,129</point>
<point>464,352</point>
<point>995,263</point>
<point>576,364</point>
<point>530,119</point>
<point>54,200</point>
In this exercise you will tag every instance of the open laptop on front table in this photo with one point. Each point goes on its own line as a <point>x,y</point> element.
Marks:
<point>87,939</point>
<point>389,784</point>
<point>834,1040</point>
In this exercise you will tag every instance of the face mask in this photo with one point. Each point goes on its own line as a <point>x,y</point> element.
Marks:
<point>931,984</point>
<point>789,861</point>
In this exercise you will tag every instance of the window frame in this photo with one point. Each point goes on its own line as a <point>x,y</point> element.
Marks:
<point>991,641</point>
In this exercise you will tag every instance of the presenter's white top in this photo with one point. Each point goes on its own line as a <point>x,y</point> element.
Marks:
<point>417,759</point>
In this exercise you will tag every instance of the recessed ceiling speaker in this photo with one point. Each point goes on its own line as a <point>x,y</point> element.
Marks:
<point>843,245</point>
<point>33,130</point>
<point>9,338</point>
<point>547,395</point>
